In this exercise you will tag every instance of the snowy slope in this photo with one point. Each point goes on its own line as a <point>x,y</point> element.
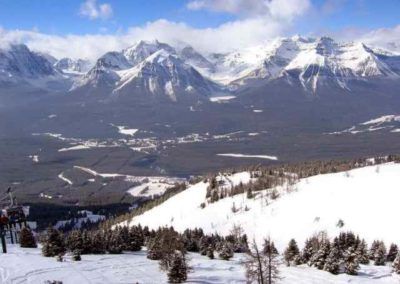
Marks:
<point>28,266</point>
<point>365,199</point>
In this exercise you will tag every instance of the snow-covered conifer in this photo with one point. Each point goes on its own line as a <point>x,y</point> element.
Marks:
<point>351,263</point>
<point>226,251</point>
<point>291,252</point>
<point>396,264</point>
<point>178,270</point>
<point>393,251</point>
<point>362,252</point>
<point>319,258</point>
<point>334,259</point>
<point>380,255</point>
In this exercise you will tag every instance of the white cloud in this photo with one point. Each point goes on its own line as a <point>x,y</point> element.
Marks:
<point>275,9</point>
<point>258,22</point>
<point>241,33</point>
<point>226,37</point>
<point>388,38</point>
<point>92,10</point>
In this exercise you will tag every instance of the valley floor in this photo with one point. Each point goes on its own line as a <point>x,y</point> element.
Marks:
<point>28,266</point>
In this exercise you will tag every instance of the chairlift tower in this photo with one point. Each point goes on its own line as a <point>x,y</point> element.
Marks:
<point>12,218</point>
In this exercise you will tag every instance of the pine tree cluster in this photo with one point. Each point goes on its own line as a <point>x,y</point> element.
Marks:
<point>94,242</point>
<point>342,255</point>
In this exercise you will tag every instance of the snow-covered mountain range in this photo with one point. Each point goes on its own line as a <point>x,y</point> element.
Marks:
<point>158,69</point>
<point>149,68</point>
<point>19,63</point>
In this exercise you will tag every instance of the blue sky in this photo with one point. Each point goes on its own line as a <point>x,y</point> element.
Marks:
<point>88,28</point>
<point>63,16</point>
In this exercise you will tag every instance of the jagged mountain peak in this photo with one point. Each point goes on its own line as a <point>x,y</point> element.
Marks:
<point>143,49</point>
<point>113,60</point>
<point>69,65</point>
<point>196,59</point>
<point>17,60</point>
<point>164,74</point>
<point>314,62</point>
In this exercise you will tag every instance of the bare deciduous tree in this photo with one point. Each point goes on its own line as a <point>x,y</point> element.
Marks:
<point>262,267</point>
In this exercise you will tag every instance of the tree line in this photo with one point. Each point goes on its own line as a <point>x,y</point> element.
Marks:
<point>342,254</point>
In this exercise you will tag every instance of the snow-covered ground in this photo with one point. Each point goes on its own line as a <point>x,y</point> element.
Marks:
<point>127,131</point>
<point>154,186</point>
<point>90,217</point>
<point>143,185</point>
<point>35,158</point>
<point>221,99</point>
<point>28,266</point>
<point>366,199</point>
<point>386,122</point>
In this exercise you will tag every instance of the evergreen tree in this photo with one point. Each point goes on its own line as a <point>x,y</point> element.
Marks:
<point>269,248</point>
<point>380,255</point>
<point>26,238</point>
<point>393,251</point>
<point>291,252</point>
<point>319,258</point>
<point>204,245</point>
<point>115,243</point>
<point>396,264</point>
<point>74,241</point>
<point>372,250</point>
<point>164,245</point>
<point>135,239</point>
<point>334,259</point>
<point>308,251</point>
<point>362,252</point>
<point>53,243</point>
<point>351,264</point>
<point>210,252</point>
<point>86,243</point>
<point>226,251</point>
<point>97,243</point>
<point>178,271</point>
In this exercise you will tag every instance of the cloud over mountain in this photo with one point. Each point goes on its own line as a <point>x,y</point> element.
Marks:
<point>92,10</point>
